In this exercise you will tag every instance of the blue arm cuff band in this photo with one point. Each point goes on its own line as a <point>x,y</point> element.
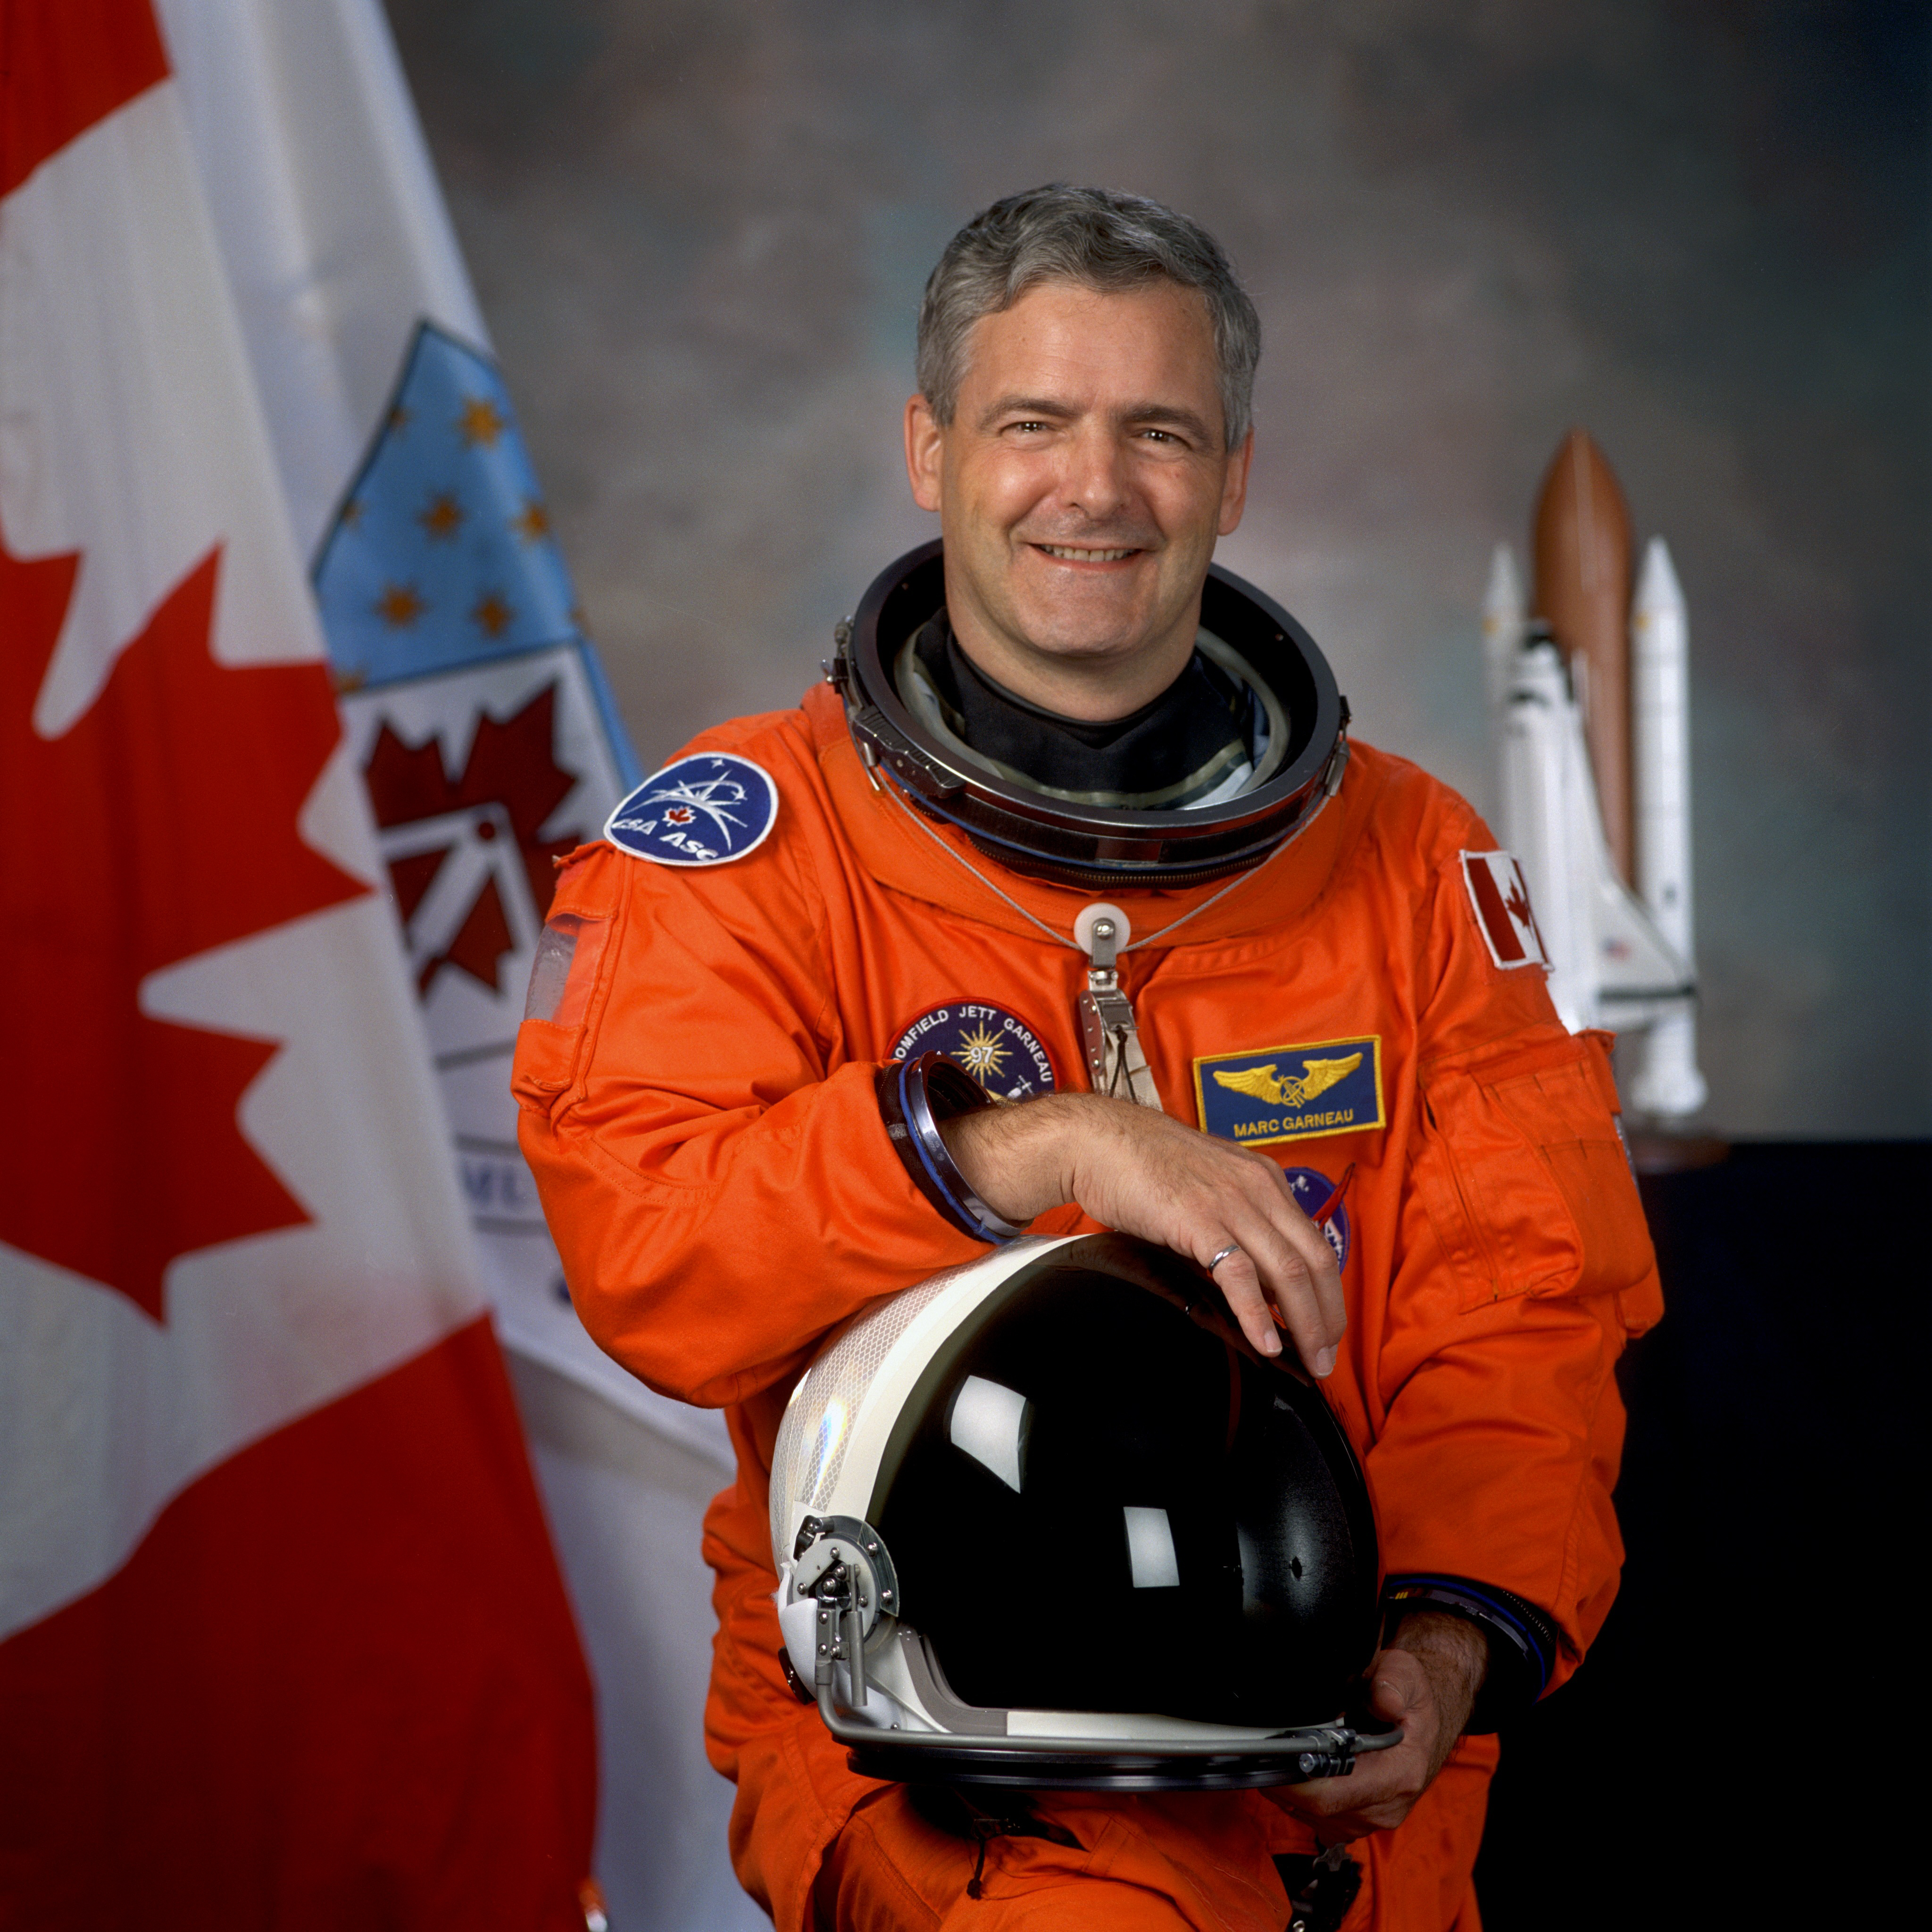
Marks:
<point>915,1097</point>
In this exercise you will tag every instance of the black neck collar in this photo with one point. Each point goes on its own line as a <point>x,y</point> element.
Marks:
<point>1179,746</point>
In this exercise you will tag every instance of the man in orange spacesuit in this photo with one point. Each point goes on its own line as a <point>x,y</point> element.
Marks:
<point>1326,995</point>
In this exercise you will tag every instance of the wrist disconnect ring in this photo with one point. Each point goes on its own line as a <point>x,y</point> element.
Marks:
<point>1232,1248</point>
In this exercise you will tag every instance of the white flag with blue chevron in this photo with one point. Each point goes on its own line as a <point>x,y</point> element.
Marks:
<point>478,710</point>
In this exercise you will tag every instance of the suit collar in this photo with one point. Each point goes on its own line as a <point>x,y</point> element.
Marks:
<point>909,853</point>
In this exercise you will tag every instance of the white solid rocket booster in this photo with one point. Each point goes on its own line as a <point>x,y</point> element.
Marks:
<point>1663,1075</point>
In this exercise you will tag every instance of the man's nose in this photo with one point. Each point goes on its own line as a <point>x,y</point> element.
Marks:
<point>1094,480</point>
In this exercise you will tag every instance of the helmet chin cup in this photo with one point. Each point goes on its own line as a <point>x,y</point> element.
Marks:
<point>1048,1520</point>
<point>1099,846</point>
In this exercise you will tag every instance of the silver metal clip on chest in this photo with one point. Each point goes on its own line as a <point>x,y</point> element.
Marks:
<point>1115,1064</point>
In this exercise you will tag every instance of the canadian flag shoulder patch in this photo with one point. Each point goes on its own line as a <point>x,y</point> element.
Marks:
<point>1500,900</point>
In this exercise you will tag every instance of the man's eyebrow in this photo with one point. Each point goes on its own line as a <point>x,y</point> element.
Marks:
<point>1151,416</point>
<point>1023,406</point>
<point>1169,415</point>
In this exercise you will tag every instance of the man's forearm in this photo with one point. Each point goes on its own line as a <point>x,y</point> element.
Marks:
<point>1016,1157</point>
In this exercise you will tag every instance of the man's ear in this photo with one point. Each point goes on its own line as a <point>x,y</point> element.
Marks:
<point>925,447</point>
<point>1235,486</point>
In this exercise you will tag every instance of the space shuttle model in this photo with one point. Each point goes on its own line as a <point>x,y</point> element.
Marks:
<point>1588,691</point>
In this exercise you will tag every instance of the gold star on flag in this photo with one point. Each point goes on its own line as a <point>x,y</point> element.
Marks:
<point>480,421</point>
<point>491,614</point>
<point>399,419</point>
<point>351,513</point>
<point>399,606</point>
<point>533,526</point>
<point>443,517</point>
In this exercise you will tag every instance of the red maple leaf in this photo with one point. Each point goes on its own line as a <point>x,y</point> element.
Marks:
<point>513,764</point>
<point>160,824</point>
<point>1520,909</point>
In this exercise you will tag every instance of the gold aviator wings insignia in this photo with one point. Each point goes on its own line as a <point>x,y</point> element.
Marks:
<point>1318,1076</point>
<point>1259,1080</point>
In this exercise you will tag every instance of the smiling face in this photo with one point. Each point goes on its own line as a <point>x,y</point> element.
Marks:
<point>1080,486</point>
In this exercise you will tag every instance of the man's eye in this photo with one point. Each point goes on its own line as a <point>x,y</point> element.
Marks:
<point>1160,436</point>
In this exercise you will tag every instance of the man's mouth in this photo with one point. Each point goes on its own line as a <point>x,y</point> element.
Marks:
<point>1070,553</point>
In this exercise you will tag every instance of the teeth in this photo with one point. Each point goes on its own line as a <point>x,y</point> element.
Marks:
<point>1085,556</point>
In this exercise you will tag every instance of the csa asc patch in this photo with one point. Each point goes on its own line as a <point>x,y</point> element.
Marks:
<point>1290,1092</point>
<point>1313,1190</point>
<point>705,810</point>
<point>998,1049</point>
<point>1500,900</point>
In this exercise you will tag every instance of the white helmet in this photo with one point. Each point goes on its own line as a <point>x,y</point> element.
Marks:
<point>1049,1520</point>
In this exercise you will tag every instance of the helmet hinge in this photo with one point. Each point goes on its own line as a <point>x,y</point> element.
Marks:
<point>1338,759</point>
<point>841,1563</point>
<point>838,668</point>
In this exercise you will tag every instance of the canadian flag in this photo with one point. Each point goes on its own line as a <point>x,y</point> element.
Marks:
<point>1499,899</point>
<point>282,1637</point>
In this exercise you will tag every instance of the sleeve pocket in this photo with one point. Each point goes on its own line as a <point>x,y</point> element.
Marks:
<point>569,954</point>
<point>1525,1179</point>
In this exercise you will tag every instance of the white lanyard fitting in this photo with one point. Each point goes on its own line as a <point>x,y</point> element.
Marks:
<point>1116,1066</point>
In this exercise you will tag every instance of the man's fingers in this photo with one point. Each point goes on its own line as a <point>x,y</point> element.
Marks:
<point>1239,1283</point>
<point>1293,1265</point>
<point>1266,1271</point>
<point>1377,1795</point>
<point>1388,1698</point>
<point>1292,1285</point>
<point>1315,1273</point>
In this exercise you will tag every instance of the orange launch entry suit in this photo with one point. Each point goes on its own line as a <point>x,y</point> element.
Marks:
<point>700,1115</point>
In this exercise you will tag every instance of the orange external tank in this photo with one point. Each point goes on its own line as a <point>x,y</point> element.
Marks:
<point>1582,545</point>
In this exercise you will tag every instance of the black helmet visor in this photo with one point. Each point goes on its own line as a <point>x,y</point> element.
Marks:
<point>1100,1498</point>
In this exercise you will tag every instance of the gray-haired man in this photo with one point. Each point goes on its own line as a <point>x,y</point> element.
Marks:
<point>726,1107</point>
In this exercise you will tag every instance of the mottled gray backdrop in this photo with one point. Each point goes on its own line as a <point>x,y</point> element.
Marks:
<point>699,229</point>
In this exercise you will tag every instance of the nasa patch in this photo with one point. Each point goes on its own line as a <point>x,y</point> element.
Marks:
<point>1313,1190</point>
<point>1500,900</point>
<point>705,810</point>
<point>998,1048</point>
<point>1290,1092</point>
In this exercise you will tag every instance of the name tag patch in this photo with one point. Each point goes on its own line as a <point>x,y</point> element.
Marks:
<point>705,810</point>
<point>1290,1092</point>
<point>998,1048</point>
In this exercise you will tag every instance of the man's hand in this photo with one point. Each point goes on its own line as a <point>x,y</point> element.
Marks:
<point>1137,1170</point>
<point>1426,1680</point>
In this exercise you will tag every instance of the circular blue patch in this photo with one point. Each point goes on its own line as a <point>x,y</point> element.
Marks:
<point>998,1048</point>
<point>1312,1190</point>
<point>705,810</point>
